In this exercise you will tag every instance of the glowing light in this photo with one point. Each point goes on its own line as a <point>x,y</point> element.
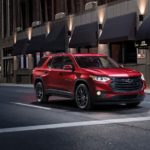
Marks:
<point>101,15</point>
<point>46,53</point>
<point>29,56</point>
<point>29,33</point>
<point>72,50</point>
<point>48,27</point>
<point>101,46</point>
<point>98,93</point>
<point>142,6</point>
<point>103,49</point>
<point>15,38</point>
<point>70,23</point>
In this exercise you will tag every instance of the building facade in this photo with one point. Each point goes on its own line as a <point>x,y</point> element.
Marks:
<point>33,28</point>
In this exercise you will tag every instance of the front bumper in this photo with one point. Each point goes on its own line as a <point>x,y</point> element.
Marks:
<point>119,99</point>
<point>109,96</point>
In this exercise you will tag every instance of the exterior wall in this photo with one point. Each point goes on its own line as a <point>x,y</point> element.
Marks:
<point>1,35</point>
<point>100,14</point>
<point>121,9</point>
<point>36,10</point>
<point>87,17</point>
<point>1,29</point>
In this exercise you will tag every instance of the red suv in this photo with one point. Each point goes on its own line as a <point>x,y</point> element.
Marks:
<point>88,79</point>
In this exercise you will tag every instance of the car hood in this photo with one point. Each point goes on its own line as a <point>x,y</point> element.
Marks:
<point>113,72</point>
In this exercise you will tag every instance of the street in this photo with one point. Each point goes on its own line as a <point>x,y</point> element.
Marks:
<point>60,125</point>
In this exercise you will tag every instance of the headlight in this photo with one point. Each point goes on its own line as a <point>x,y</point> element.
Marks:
<point>142,77</point>
<point>99,78</point>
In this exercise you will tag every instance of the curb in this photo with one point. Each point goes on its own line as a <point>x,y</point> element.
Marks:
<point>147,91</point>
<point>16,85</point>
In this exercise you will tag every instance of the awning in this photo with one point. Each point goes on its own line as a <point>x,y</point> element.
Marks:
<point>143,33</point>
<point>20,47</point>
<point>85,36</point>
<point>118,29</point>
<point>36,44</point>
<point>56,40</point>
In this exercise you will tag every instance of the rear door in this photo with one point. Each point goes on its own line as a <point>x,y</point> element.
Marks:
<point>55,68</point>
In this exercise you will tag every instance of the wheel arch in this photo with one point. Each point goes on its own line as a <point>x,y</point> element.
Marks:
<point>38,80</point>
<point>80,81</point>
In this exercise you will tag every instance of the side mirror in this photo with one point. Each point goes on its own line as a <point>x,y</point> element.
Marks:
<point>68,67</point>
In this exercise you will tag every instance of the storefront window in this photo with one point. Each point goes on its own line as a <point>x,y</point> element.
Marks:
<point>30,13</point>
<point>101,2</point>
<point>69,7</point>
<point>123,52</point>
<point>23,13</point>
<point>8,67</point>
<point>5,18</point>
<point>7,52</point>
<point>36,58</point>
<point>79,6</point>
<point>23,62</point>
<point>49,9</point>
<point>43,10</point>
<point>141,53</point>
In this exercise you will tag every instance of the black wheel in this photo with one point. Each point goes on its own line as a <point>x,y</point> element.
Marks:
<point>132,105</point>
<point>82,97</point>
<point>40,93</point>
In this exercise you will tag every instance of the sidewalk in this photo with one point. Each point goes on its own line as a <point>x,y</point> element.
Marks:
<point>147,90</point>
<point>16,85</point>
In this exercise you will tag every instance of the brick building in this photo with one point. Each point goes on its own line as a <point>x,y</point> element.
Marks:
<point>30,29</point>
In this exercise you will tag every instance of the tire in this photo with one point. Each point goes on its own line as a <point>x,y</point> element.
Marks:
<point>132,105</point>
<point>82,97</point>
<point>40,93</point>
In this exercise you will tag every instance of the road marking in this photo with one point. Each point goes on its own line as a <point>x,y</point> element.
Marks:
<point>33,106</point>
<point>73,124</point>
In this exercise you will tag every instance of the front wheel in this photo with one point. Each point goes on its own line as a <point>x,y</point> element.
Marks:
<point>40,93</point>
<point>82,97</point>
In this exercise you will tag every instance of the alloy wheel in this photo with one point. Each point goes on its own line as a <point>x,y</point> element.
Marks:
<point>82,97</point>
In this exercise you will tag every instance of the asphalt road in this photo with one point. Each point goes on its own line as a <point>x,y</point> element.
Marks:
<point>59,125</point>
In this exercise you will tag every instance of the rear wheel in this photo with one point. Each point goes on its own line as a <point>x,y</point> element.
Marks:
<point>40,93</point>
<point>82,97</point>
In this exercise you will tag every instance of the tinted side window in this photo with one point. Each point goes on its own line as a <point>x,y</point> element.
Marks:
<point>67,61</point>
<point>57,62</point>
<point>42,61</point>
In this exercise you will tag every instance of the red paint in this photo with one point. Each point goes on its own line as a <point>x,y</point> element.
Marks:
<point>65,78</point>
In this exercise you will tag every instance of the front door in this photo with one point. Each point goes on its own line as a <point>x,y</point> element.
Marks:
<point>58,77</point>
<point>67,76</point>
<point>54,73</point>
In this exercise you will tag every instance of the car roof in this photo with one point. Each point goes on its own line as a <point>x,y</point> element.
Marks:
<point>88,54</point>
<point>75,54</point>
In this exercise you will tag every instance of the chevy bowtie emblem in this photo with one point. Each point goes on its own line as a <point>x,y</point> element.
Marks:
<point>128,80</point>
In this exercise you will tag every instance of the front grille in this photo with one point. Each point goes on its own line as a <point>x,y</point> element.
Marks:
<point>128,84</point>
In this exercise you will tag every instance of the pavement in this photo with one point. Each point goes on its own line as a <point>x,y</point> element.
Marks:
<point>147,90</point>
<point>60,125</point>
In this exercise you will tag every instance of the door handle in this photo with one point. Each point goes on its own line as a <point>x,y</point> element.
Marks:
<point>45,72</point>
<point>60,73</point>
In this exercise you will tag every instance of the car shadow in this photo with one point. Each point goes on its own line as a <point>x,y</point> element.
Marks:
<point>69,105</point>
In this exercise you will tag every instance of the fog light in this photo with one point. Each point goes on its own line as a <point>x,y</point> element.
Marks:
<point>98,93</point>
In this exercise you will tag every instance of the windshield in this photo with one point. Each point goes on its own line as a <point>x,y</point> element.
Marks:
<point>96,62</point>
